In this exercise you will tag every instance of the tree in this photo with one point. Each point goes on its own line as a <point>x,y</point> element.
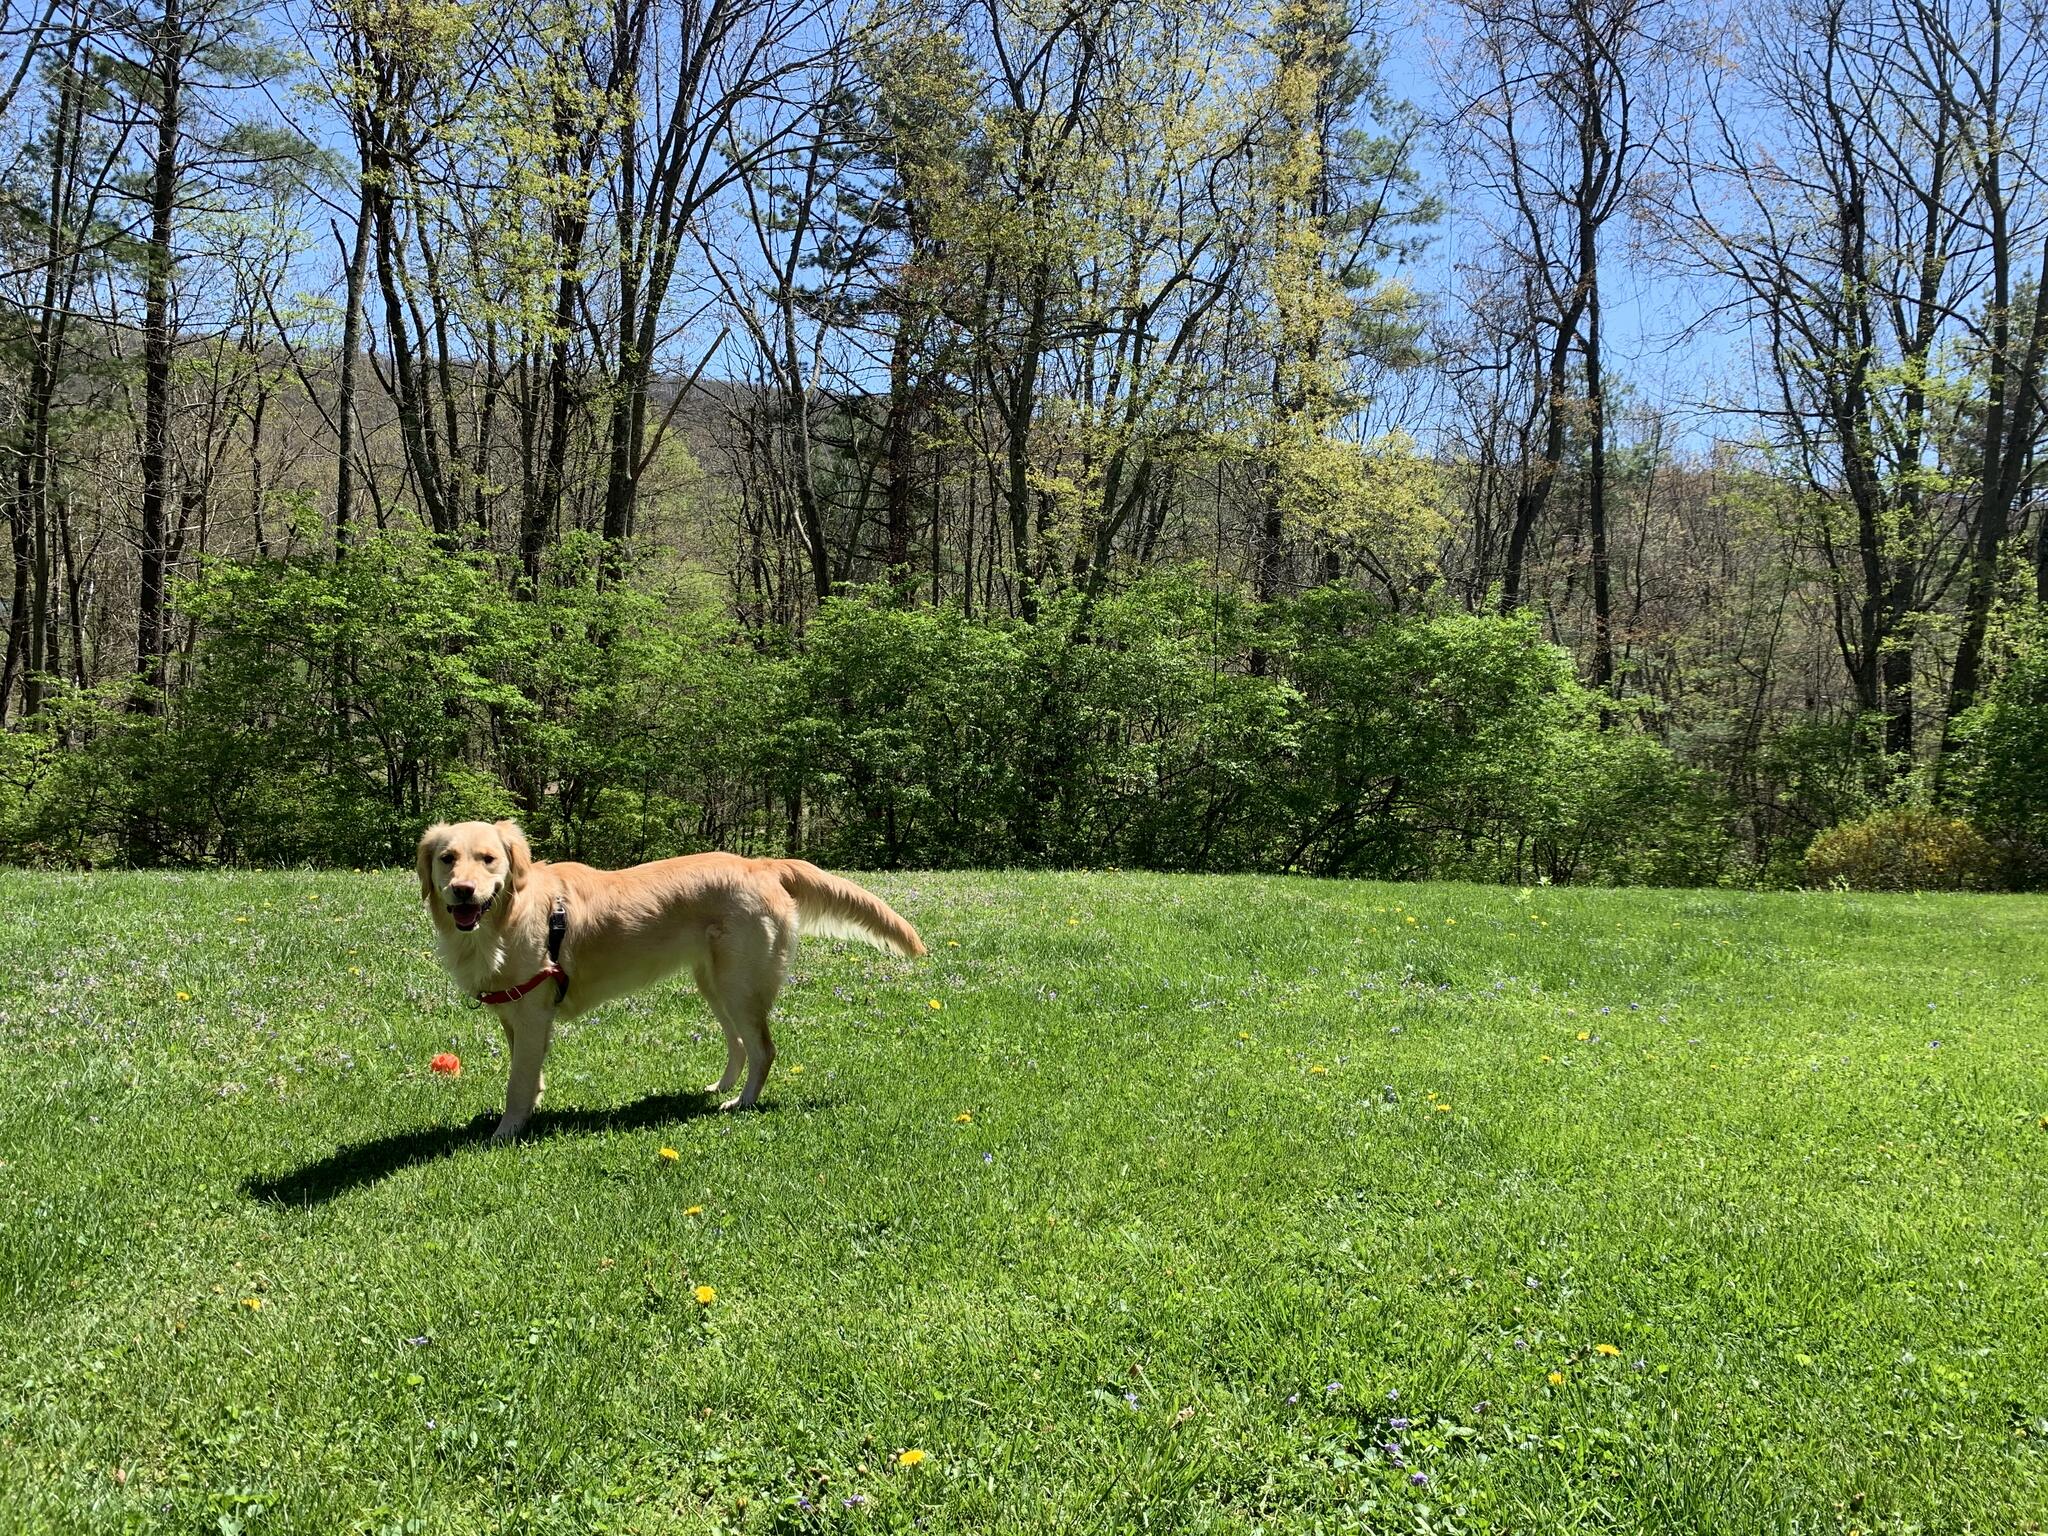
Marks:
<point>182,63</point>
<point>696,85</point>
<point>1570,108</point>
<point>1339,201</point>
<point>1829,192</point>
<point>66,232</point>
<point>1985,65</point>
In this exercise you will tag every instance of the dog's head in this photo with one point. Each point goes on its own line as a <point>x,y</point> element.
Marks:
<point>471,870</point>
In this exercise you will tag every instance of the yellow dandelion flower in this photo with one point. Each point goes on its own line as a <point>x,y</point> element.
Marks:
<point>1544,1058</point>
<point>952,943</point>
<point>1585,1035</point>
<point>1318,1071</point>
<point>1451,922</point>
<point>253,1303</point>
<point>695,1210</point>
<point>1410,921</point>
<point>669,1155</point>
<point>909,1458</point>
<point>797,1070</point>
<point>1605,1349</point>
<point>1443,1109</point>
<point>1243,1036</point>
<point>1073,922</point>
<point>965,1117</point>
<point>705,1295</point>
<point>184,997</point>
<point>1556,1378</point>
<point>934,1003</point>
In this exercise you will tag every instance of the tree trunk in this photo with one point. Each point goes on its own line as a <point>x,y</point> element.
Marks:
<point>1596,467</point>
<point>1020,402</point>
<point>351,354</point>
<point>1534,493</point>
<point>29,613</point>
<point>898,449</point>
<point>420,452</point>
<point>157,345</point>
<point>542,519</point>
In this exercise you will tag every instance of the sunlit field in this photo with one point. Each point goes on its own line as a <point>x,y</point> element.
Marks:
<point>1141,1203</point>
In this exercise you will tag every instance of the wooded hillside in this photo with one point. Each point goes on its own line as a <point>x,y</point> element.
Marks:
<point>1583,439</point>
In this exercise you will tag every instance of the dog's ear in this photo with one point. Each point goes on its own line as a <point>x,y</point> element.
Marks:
<point>430,844</point>
<point>518,856</point>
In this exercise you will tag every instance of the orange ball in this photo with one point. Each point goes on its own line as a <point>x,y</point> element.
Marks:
<point>448,1064</point>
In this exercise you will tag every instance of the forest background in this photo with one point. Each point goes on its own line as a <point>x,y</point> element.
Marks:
<point>1521,440</point>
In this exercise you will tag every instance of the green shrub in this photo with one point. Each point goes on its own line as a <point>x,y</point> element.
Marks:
<point>1462,745</point>
<point>1907,849</point>
<point>1117,733</point>
<point>1628,812</point>
<point>1999,764</point>
<point>330,708</point>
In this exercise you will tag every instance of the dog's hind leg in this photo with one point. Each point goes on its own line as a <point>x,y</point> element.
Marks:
<point>735,1052</point>
<point>746,974</point>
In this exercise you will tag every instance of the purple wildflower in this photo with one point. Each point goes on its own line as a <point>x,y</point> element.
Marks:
<point>1418,1479</point>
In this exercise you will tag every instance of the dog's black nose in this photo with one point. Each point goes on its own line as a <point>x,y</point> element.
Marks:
<point>461,894</point>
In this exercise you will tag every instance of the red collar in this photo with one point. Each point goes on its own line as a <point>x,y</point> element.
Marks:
<point>550,972</point>
<point>558,926</point>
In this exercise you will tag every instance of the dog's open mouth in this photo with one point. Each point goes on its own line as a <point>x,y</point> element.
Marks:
<point>467,914</point>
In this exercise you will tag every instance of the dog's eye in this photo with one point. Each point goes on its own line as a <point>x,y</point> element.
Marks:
<point>489,858</point>
<point>448,857</point>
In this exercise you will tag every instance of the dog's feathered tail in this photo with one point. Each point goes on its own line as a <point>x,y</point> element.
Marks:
<point>839,909</point>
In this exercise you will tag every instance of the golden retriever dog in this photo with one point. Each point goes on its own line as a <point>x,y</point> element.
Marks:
<point>731,921</point>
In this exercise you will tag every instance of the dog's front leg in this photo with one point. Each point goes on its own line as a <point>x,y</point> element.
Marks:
<point>530,1033</point>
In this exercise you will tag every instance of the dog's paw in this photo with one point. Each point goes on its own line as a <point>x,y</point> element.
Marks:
<point>503,1134</point>
<point>737,1101</point>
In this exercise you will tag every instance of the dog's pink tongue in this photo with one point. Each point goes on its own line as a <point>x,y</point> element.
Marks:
<point>466,917</point>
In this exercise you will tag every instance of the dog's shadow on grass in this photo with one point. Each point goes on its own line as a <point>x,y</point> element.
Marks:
<point>365,1162</point>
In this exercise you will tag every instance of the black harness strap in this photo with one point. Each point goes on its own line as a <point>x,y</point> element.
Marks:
<point>558,925</point>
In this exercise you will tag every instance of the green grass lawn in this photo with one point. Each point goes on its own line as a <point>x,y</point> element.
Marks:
<point>1141,1203</point>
